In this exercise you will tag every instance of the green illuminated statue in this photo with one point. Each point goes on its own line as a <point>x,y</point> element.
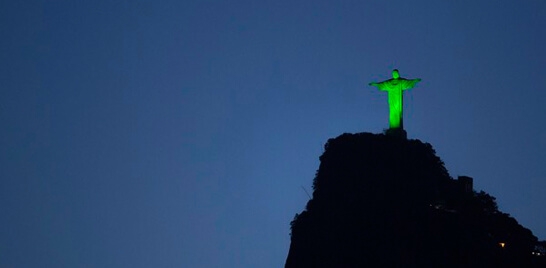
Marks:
<point>394,87</point>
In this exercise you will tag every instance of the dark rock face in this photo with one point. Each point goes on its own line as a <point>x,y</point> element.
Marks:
<point>383,201</point>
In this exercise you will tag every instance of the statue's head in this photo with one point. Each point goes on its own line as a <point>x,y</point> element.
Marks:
<point>395,74</point>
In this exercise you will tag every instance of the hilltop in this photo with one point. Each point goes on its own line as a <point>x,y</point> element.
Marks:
<point>386,201</point>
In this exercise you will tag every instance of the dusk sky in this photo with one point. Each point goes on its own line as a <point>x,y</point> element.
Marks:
<point>183,133</point>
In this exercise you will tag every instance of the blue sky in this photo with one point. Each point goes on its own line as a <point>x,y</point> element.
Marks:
<point>181,133</point>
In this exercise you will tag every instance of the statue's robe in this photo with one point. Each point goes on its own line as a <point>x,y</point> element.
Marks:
<point>394,87</point>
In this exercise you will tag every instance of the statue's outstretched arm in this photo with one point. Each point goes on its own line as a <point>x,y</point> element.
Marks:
<point>381,85</point>
<point>411,83</point>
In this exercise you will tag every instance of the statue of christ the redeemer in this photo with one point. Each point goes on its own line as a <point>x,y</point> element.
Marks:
<point>394,87</point>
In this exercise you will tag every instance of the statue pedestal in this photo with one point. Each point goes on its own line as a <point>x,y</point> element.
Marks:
<point>397,132</point>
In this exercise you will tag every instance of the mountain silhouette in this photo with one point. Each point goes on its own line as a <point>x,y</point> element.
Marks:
<point>386,201</point>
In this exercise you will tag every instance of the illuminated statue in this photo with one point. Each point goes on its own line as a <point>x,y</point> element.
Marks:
<point>394,87</point>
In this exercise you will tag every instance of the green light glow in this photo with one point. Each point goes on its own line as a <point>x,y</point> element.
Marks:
<point>394,87</point>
